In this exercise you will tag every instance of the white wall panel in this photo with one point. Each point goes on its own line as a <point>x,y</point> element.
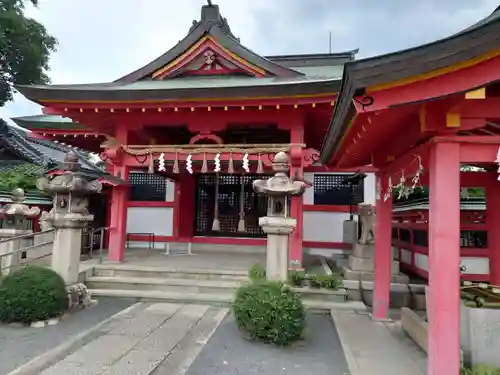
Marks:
<point>422,261</point>
<point>476,266</point>
<point>157,220</point>
<point>324,226</point>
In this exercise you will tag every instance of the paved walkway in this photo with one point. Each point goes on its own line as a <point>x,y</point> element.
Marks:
<point>137,341</point>
<point>19,345</point>
<point>228,353</point>
<point>374,348</point>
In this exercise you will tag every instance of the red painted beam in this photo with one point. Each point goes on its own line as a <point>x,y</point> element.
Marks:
<point>447,84</point>
<point>231,103</point>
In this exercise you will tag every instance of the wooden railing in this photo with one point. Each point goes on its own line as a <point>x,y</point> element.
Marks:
<point>410,236</point>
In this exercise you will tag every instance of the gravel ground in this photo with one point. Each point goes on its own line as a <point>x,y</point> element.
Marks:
<point>227,353</point>
<point>20,345</point>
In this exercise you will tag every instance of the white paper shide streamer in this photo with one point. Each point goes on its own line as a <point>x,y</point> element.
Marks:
<point>189,164</point>
<point>246,163</point>
<point>161,163</point>
<point>217,163</point>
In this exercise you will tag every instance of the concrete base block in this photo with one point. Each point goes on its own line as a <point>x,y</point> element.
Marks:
<point>415,326</point>
<point>480,335</point>
<point>368,265</point>
<point>363,251</point>
<point>350,274</point>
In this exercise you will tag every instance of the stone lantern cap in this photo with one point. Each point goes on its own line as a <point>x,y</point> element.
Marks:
<point>72,180</point>
<point>17,208</point>
<point>280,185</point>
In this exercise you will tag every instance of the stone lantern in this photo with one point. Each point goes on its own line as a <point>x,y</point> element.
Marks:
<point>277,224</point>
<point>14,214</point>
<point>69,214</point>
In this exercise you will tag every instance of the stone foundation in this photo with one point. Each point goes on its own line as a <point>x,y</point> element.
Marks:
<point>480,335</point>
<point>361,266</point>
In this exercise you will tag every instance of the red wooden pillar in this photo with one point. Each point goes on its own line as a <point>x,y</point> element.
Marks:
<point>118,220</point>
<point>443,299</point>
<point>295,252</point>
<point>382,255</point>
<point>493,223</point>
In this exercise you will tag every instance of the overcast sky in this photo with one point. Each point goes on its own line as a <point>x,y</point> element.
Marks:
<point>101,40</point>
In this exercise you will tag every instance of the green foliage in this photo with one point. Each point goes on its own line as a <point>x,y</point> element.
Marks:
<point>23,176</point>
<point>326,281</point>
<point>32,294</point>
<point>25,47</point>
<point>257,272</point>
<point>296,277</point>
<point>480,370</point>
<point>269,312</point>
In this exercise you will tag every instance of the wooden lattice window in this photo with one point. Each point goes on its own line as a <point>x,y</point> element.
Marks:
<point>147,187</point>
<point>332,189</point>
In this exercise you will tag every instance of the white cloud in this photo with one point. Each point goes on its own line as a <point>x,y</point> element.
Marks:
<point>101,40</point>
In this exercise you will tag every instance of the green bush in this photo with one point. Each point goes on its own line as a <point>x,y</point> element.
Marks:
<point>32,294</point>
<point>480,370</point>
<point>296,277</point>
<point>257,272</point>
<point>326,281</point>
<point>269,312</point>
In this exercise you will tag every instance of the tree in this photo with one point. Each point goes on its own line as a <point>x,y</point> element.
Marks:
<point>25,48</point>
<point>23,176</point>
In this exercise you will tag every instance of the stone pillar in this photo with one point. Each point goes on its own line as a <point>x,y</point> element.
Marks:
<point>278,230</point>
<point>68,216</point>
<point>67,245</point>
<point>14,213</point>
<point>277,224</point>
<point>443,307</point>
<point>11,262</point>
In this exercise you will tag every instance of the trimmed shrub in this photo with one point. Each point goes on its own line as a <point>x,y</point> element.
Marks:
<point>257,272</point>
<point>32,294</point>
<point>269,312</point>
<point>296,277</point>
<point>480,370</point>
<point>332,282</point>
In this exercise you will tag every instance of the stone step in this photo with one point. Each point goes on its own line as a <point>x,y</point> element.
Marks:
<point>124,270</point>
<point>350,274</point>
<point>198,286</point>
<point>162,284</point>
<point>218,299</point>
<point>368,265</point>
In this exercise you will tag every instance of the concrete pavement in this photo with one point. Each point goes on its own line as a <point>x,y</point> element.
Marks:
<point>376,348</point>
<point>135,343</point>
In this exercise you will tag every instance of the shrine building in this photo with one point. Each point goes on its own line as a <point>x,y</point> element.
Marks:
<point>417,116</point>
<point>190,131</point>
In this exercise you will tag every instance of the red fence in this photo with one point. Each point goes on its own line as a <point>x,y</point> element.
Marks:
<point>410,240</point>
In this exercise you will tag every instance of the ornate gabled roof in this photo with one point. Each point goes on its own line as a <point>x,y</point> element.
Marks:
<point>209,63</point>
<point>467,45</point>
<point>40,152</point>
<point>212,33</point>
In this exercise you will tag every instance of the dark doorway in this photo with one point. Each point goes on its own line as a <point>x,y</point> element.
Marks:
<point>229,196</point>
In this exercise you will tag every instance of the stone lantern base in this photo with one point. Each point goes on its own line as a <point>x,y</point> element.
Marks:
<point>278,230</point>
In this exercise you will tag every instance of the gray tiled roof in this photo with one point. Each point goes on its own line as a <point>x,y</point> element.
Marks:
<point>40,152</point>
